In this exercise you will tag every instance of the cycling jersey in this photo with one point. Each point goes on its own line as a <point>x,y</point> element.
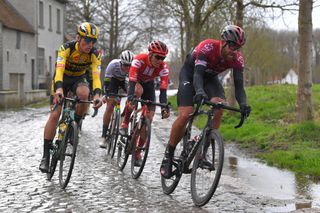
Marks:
<point>142,71</point>
<point>208,54</point>
<point>72,62</point>
<point>114,70</point>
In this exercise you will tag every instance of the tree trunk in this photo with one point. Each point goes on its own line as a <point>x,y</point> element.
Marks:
<point>304,94</point>
<point>239,22</point>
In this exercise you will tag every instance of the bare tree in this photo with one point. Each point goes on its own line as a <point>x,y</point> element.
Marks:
<point>304,94</point>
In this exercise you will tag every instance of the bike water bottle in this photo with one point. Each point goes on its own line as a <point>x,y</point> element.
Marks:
<point>62,129</point>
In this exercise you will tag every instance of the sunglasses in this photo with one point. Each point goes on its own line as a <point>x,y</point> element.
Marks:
<point>158,57</point>
<point>126,65</point>
<point>233,46</point>
<point>88,40</point>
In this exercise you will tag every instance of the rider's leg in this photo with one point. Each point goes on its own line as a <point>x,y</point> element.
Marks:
<point>49,133</point>
<point>217,114</point>
<point>128,108</point>
<point>107,114</point>
<point>82,93</point>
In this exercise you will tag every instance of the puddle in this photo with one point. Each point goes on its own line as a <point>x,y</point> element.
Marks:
<point>270,181</point>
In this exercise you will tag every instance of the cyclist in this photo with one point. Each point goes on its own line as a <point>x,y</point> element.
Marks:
<point>199,80</point>
<point>118,69</point>
<point>73,60</point>
<point>144,69</point>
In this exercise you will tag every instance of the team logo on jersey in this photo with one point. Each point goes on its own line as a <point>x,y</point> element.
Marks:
<point>185,83</point>
<point>136,63</point>
<point>99,67</point>
<point>59,59</point>
<point>164,72</point>
<point>207,47</point>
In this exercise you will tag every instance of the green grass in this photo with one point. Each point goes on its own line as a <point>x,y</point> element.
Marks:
<point>271,132</point>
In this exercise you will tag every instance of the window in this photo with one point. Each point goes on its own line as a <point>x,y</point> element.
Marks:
<point>58,21</point>
<point>41,17</point>
<point>18,41</point>
<point>50,18</point>
<point>8,56</point>
<point>25,57</point>
<point>41,61</point>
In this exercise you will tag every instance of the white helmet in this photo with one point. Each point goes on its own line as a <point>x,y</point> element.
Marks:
<point>126,57</point>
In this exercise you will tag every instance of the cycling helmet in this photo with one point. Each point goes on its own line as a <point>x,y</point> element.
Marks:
<point>87,29</point>
<point>126,57</point>
<point>158,48</point>
<point>233,34</point>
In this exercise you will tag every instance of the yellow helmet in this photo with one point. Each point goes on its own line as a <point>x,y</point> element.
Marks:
<point>87,29</point>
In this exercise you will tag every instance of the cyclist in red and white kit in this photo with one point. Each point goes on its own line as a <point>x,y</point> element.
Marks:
<point>145,67</point>
<point>199,80</point>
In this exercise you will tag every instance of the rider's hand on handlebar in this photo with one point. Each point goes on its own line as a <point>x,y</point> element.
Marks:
<point>165,113</point>
<point>200,95</point>
<point>130,98</point>
<point>245,110</point>
<point>104,99</point>
<point>58,96</point>
<point>97,102</point>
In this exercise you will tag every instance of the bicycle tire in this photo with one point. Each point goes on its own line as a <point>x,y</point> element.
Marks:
<point>137,170</point>
<point>215,142</point>
<point>123,145</point>
<point>53,163</point>
<point>70,140</point>
<point>169,185</point>
<point>109,134</point>
<point>115,133</point>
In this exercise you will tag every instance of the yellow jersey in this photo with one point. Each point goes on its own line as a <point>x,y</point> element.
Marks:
<point>72,62</point>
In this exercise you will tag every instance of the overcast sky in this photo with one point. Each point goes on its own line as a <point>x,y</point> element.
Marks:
<point>290,22</point>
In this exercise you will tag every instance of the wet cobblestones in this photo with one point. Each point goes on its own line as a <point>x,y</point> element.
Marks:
<point>96,184</point>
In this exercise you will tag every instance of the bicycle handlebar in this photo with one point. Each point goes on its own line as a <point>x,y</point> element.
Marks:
<point>148,102</point>
<point>115,95</point>
<point>75,100</point>
<point>220,105</point>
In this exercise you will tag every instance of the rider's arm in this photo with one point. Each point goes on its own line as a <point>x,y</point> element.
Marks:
<point>133,78</point>
<point>96,69</point>
<point>63,53</point>
<point>164,81</point>
<point>200,67</point>
<point>240,93</point>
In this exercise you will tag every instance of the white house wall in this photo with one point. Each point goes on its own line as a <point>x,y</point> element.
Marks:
<point>17,62</point>
<point>50,39</point>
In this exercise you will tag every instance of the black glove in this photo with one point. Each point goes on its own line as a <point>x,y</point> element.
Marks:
<point>199,96</point>
<point>245,110</point>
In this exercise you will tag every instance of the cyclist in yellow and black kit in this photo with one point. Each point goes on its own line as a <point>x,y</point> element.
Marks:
<point>74,58</point>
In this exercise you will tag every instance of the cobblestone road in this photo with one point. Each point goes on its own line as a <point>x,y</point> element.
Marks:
<point>96,184</point>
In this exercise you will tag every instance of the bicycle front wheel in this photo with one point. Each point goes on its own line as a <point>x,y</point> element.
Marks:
<point>140,142</point>
<point>114,132</point>
<point>68,154</point>
<point>108,137</point>
<point>207,168</point>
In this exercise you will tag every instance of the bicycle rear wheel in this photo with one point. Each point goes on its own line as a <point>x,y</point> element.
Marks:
<point>114,133</point>
<point>53,161</point>
<point>68,154</point>
<point>207,168</point>
<point>141,142</point>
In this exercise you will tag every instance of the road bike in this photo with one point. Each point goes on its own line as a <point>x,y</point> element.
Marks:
<point>113,127</point>
<point>137,142</point>
<point>201,156</point>
<point>64,146</point>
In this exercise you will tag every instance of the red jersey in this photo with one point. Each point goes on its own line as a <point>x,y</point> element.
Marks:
<point>208,53</point>
<point>142,71</point>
